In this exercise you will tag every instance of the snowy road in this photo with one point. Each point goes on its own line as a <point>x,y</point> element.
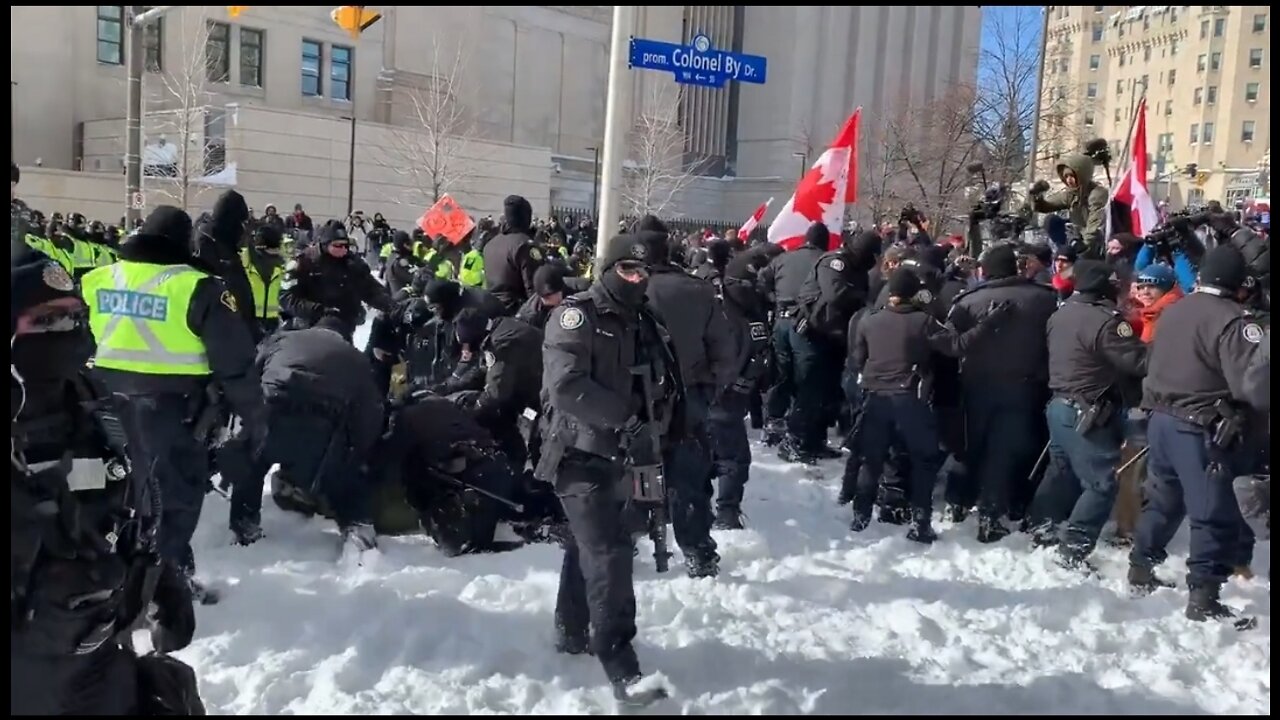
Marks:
<point>804,618</point>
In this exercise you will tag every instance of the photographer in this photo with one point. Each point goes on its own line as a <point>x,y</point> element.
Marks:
<point>1084,199</point>
<point>913,227</point>
<point>1170,245</point>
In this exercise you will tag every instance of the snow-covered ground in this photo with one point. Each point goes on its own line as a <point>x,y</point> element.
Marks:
<point>805,617</point>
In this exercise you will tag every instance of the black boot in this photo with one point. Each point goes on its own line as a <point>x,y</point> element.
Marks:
<point>955,513</point>
<point>727,518</point>
<point>1144,581</point>
<point>623,693</point>
<point>773,433</point>
<point>991,530</point>
<point>861,520</point>
<point>566,645</point>
<point>848,484</point>
<point>790,451</point>
<point>1044,535</point>
<point>247,532</point>
<point>895,514</point>
<point>700,564</point>
<point>921,527</point>
<point>823,451</point>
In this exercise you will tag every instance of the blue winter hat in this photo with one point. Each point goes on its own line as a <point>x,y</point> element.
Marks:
<point>1157,274</point>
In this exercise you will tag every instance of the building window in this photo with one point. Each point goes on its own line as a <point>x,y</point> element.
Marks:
<point>1246,131</point>
<point>1119,87</point>
<point>1173,48</point>
<point>1207,136</point>
<point>1173,16</point>
<point>1251,92</point>
<point>1173,75</point>
<point>1215,60</point>
<point>217,52</point>
<point>1219,26</point>
<point>110,34</point>
<point>1095,62</point>
<point>1168,108</point>
<point>1096,35</point>
<point>1259,23</point>
<point>1255,58</point>
<point>311,52</point>
<point>1123,56</point>
<point>1164,143</point>
<point>1204,29</point>
<point>1145,84</point>
<point>1195,133</point>
<point>1211,95</point>
<point>1201,62</point>
<point>1146,53</point>
<point>1146,22</point>
<point>1117,115</point>
<point>153,40</point>
<point>1088,118</point>
<point>1197,96</point>
<point>340,72</point>
<point>1091,90</point>
<point>250,57</point>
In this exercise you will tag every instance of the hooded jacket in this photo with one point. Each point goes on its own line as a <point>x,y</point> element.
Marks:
<point>1086,204</point>
<point>217,250</point>
<point>510,259</point>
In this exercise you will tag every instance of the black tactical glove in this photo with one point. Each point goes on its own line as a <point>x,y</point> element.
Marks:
<point>175,614</point>
<point>1040,187</point>
<point>639,440</point>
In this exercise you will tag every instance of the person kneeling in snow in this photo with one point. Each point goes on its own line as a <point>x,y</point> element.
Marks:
<point>323,417</point>
<point>456,479</point>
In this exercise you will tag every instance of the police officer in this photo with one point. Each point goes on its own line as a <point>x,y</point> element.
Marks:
<point>265,270</point>
<point>328,279</point>
<point>1194,391</point>
<point>718,253</point>
<point>81,529</point>
<point>164,332</point>
<point>597,345</point>
<point>323,417</point>
<point>401,262</point>
<point>780,282</point>
<point>217,251</point>
<point>748,318</point>
<point>893,357</point>
<point>432,349</point>
<point>1004,384</point>
<point>471,268</point>
<point>511,258</point>
<point>510,356</point>
<point>551,283</point>
<point>708,364</point>
<point>1093,352</point>
<point>829,296</point>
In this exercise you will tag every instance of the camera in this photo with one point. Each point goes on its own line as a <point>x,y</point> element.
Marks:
<point>910,215</point>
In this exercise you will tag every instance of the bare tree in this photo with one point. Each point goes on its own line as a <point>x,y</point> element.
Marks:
<point>180,152</point>
<point>434,148</point>
<point>658,169</point>
<point>930,147</point>
<point>876,194</point>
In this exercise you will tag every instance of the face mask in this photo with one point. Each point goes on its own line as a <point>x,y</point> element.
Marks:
<point>627,294</point>
<point>51,356</point>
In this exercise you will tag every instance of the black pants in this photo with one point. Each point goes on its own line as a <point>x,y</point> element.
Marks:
<point>104,682</point>
<point>298,442</point>
<point>730,449</point>
<point>689,469</point>
<point>596,587</point>
<point>162,445</point>
<point>904,420</point>
<point>1006,432</point>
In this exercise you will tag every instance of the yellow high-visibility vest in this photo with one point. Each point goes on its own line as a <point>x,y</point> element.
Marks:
<point>266,291</point>
<point>138,316</point>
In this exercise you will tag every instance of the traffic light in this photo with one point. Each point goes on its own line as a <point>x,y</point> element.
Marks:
<point>235,10</point>
<point>355,19</point>
<point>1192,170</point>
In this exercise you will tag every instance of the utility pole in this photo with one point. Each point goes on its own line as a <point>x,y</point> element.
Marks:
<point>595,183</point>
<point>351,159</point>
<point>1035,118</point>
<point>355,19</point>
<point>617,119</point>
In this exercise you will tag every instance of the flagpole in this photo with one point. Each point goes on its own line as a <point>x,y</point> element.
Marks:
<point>1134,100</point>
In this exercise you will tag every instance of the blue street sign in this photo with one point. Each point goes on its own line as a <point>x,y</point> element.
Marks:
<point>697,63</point>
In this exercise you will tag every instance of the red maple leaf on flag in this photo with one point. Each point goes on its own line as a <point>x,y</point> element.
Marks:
<point>813,194</point>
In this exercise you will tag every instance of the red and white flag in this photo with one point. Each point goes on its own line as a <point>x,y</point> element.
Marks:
<point>744,232</point>
<point>823,192</point>
<point>1131,188</point>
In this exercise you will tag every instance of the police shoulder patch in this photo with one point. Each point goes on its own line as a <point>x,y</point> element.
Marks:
<point>535,253</point>
<point>1124,329</point>
<point>639,251</point>
<point>837,264</point>
<point>759,332</point>
<point>489,359</point>
<point>924,297</point>
<point>572,318</point>
<point>228,300</point>
<point>1253,332</point>
<point>57,278</point>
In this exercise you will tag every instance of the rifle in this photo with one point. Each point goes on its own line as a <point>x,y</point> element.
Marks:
<point>648,483</point>
<point>439,476</point>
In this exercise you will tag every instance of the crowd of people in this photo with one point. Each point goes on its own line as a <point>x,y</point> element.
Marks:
<point>524,379</point>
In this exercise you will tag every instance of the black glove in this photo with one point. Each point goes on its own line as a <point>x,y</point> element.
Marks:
<point>998,312</point>
<point>1040,187</point>
<point>175,614</point>
<point>639,439</point>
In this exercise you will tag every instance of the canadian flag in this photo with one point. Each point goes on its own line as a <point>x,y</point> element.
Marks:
<point>1131,188</point>
<point>744,232</point>
<point>823,192</point>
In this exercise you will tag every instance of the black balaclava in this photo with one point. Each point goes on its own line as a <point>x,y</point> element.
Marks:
<point>471,327</point>
<point>618,248</point>
<point>401,242</point>
<point>817,236</point>
<point>447,296</point>
<point>59,351</point>
<point>1097,278</point>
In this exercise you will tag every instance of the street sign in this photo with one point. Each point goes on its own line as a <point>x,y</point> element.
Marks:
<point>137,202</point>
<point>697,63</point>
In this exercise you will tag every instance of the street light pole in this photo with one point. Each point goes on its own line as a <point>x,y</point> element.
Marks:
<point>351,159</point>
<point>595,183</point>
<point>138,18</point>
<point>617,117</point>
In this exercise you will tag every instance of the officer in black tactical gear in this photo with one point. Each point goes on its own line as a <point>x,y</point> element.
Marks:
<point>718,253</point>
<point>1004,382</point>
<point>432,349</point>
<point>707,356</point>
<point>329,279</point>
<point>83,560</point>
<point>829,296</point>
<point>602,347</point>
<point>511,258</point>
<point>893,357</point>
<point>1194,390</point>
<point>780,282</point>
<point>748,317</point>
<point>1093,353</point>
<point>400,266</point>
<point>551,284</point>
